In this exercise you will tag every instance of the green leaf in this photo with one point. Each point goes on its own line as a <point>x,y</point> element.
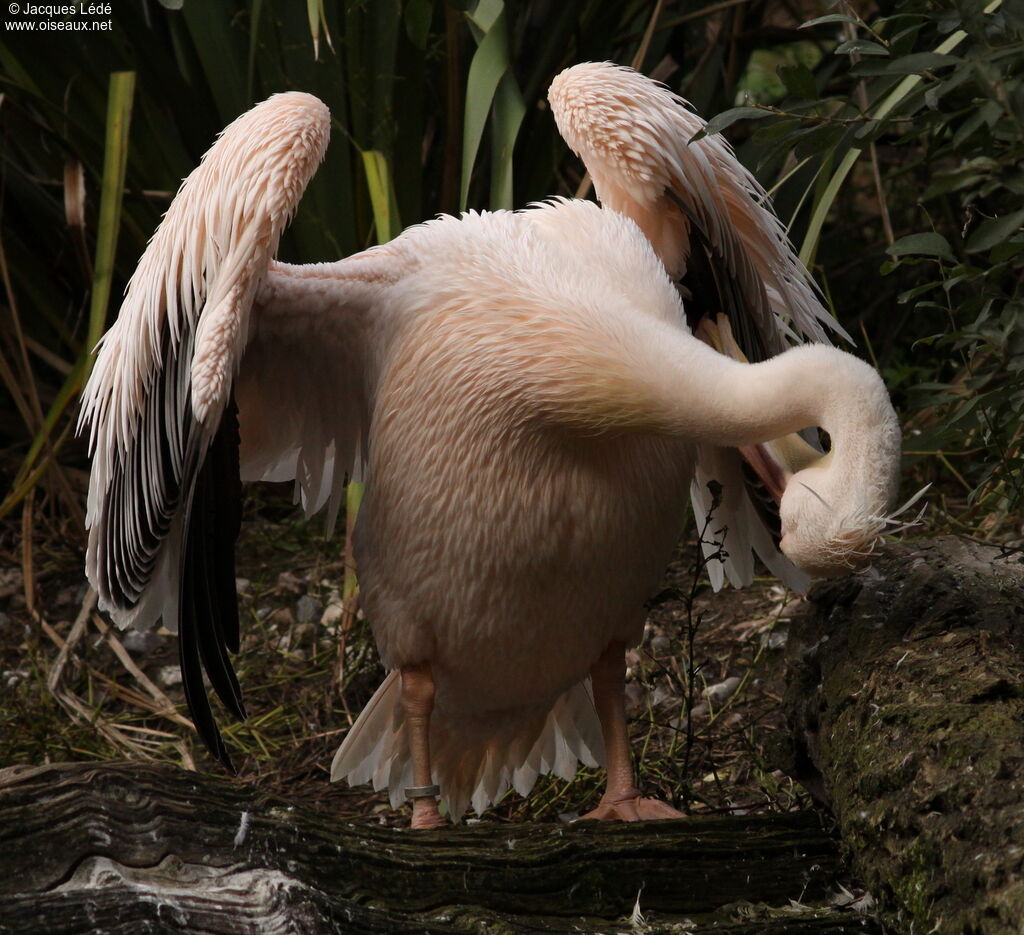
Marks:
<point>785,127</point>
<point>317,16</point>
<point>861,47</point>
<point>912,294</point>
<point>830,18</point>
<point>115,164</point>
<point>870,130</point>
<point>418,15</point>
<point>1005,251</point>
<point>995,231</point>
<point>382,194</point>
<point>508,113</point>
<point>988,113</point>
<point>221,56</point>
<point>920,61</point>
<point>930,244</point>
<point>491,87</point>
<point>798,81</point>
<point>819,140</point>
<point>353,500</point>
<point>728,117</point>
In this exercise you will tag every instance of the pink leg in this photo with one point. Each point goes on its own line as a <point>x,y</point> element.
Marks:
<point>622,799</point>
<point>418,702</point>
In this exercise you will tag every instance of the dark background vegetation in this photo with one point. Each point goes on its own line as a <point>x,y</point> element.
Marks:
<point>890,135</point>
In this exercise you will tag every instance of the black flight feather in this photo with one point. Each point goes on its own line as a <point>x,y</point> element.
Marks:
<point>209,607</point>
<point>145,487</point>
<point>715,291</point>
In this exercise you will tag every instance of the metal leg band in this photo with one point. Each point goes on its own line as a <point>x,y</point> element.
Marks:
<point>422,792</point>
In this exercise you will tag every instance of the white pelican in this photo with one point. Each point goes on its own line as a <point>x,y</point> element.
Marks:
<point>525,400</point>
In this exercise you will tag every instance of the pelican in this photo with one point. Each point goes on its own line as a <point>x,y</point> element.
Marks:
<point>525,398</point>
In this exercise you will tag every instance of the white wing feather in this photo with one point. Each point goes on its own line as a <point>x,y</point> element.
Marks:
<point>164,371</point>
<point>304,389</point>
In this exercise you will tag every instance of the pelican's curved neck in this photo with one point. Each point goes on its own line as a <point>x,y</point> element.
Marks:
<point>725,402</point>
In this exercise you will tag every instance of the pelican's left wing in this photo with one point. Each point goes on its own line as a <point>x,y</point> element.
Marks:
<point>701,209</point>
<point>711,224</point>
<point>163,509</point>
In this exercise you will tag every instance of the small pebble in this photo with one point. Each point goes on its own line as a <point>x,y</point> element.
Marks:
<point>304,633</point>
<point>663,696</point>
<point>661,645</point>
<point>698,712</point>
<point>11,677</point>
<point>286,581</point>
<point>777,639</point>
<point>332,615</point>
<point>169,676</point>
<point>282,617</point>
<point>723,691</point>
<point>307,609</point>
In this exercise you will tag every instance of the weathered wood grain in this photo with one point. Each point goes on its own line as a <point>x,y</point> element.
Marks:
<point>118,848</point>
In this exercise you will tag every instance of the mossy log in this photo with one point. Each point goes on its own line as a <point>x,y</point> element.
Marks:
<point>125,848</point>
<point>906,695</point>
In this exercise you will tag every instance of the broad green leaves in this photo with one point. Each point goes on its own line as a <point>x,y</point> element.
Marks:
<point>491,92</point>
<point>930,244</point>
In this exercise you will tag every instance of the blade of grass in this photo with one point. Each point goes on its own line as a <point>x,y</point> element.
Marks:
<point>317,19</point>
<point>115,164</point>
<point>507,116</point>
<point>487,71</point>
<point>382,194</point>
<point>255,15</point>
<point>222,55</point>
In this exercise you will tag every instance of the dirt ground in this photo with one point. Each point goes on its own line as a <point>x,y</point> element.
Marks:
<point>703,687</point>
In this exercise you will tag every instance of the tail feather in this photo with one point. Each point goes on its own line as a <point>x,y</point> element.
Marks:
<point>474,759</point>
<point>366,744</point>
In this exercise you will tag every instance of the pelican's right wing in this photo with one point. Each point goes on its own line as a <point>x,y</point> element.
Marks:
<point>164,505</point>
<point>305,383</point>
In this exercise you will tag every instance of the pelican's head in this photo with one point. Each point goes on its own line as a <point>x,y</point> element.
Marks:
<point>833,515</point>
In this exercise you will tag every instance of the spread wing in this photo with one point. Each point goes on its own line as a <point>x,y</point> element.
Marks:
<point>163,508</point>
<point>712,226</point>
